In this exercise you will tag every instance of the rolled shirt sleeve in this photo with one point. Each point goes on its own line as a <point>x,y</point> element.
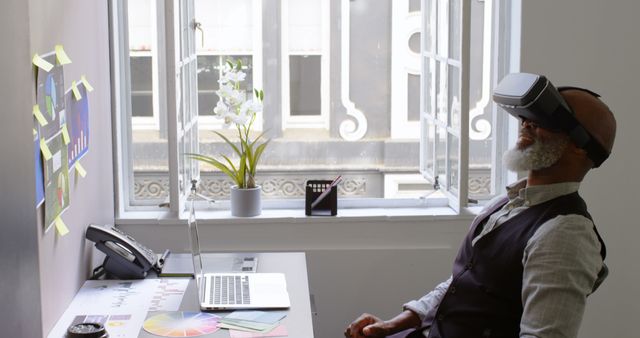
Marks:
<point>426,306</point>
<point>561,264</point>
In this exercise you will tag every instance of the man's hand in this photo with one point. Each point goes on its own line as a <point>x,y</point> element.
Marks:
<point>367,326</point>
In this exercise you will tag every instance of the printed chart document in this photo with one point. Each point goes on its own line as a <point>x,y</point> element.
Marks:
<point>121,305</point>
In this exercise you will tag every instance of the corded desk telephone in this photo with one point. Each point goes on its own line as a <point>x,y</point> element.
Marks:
<point>126,258</point>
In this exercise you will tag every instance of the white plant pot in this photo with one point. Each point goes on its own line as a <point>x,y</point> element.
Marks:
<point>246,202</point>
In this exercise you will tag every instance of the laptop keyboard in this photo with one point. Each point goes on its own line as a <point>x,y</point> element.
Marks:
<point>230,290</point>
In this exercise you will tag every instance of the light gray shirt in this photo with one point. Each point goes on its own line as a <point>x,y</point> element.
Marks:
<point>561,265</point>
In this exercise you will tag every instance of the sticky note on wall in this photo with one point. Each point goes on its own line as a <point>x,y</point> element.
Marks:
<point>65,134</point>
<point>42,63</point>
<point>61,227</point>
<point>87,85</point>
<point>76,92</point>
<point>45,150</point>
<point>80,169</point>
<point>62,57</point>
<point>38,114</point>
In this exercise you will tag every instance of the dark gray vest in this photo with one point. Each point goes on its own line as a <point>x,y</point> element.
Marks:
<point>484,298</point>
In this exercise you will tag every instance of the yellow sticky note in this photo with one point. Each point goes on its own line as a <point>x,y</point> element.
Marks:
<point>76,92</point>
<point>80,169</point>
<point>61,227</point>
<point>42,63</point>
<point>62,57</point>
<point>86,83</point>
<point>45,150</point>
<point>38,114</point>
<point>65,134</point>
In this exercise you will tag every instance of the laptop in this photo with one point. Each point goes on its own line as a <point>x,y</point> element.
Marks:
<point>232,290</point>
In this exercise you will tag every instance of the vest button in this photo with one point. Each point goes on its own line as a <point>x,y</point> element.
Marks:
<point>452,289</point>
<point>440,318</point>
<point>468,266</point>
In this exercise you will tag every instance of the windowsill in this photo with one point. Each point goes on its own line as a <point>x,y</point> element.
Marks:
<point>298,216</point>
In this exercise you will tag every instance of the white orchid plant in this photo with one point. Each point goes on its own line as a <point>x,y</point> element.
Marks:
<point>234,108</point>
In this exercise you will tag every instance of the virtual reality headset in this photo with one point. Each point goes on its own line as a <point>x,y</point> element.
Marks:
<point>532,97</point>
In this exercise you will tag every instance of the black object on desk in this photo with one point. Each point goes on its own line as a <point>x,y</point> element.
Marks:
<point>87,330</point>
<point>321,198</point>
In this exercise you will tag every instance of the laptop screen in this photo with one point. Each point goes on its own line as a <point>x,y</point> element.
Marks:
<point>195,247</point>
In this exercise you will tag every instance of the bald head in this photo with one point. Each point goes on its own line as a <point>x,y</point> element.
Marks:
<point>594,115</point>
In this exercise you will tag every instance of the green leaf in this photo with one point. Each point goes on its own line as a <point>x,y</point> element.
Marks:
<point>230,63</point>
<point>212,161</point>
<point>241,171</point>
<point>239,64</point>
<point>235,148</point>
<point>259,150</point>
<point>257,93</point>
<point>261,95</point>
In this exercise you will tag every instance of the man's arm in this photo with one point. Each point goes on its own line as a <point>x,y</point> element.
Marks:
<point>415,314</point>
<point>561,264</point>
<point>426,306</point>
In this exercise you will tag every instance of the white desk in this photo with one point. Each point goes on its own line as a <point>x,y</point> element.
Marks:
<point>293,264</point>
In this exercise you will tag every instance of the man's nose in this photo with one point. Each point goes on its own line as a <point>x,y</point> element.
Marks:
<point>528,124</point>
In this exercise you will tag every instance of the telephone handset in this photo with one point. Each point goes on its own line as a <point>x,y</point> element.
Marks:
<point>126,258</point>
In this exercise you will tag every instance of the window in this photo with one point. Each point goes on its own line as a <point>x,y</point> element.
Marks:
<point>351,88</point>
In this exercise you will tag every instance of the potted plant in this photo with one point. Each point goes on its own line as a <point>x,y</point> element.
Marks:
<point>234,108</point>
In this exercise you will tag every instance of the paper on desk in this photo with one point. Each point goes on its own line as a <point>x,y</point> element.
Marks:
<point>115,300</point>
<point>268,317</point>
<point>254,327</point>
<point>280,331</point>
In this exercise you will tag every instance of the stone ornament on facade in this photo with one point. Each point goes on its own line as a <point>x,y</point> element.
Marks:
<point>350,130</point>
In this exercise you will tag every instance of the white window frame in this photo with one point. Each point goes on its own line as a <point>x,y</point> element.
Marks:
<point>320,121</point>
<point>437,56</point>
<point>122,120</point>
<point>182,95</point>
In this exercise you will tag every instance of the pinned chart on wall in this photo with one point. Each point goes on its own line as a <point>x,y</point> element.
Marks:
<point>37,159</point>
<point>77,123</point>
<point>60,134</point>
<point>56,178</point>
<point>50,95</point>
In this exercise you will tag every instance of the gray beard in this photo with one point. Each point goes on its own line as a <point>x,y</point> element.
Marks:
<point>538,155</point>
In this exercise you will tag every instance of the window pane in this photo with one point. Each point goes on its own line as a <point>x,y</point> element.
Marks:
<point>452,157</point>
<point>149,146</point>
<point>413,97</point>
<point>428,146</point>
<point>304,85</point>
<point>227,25</point>
<point>208,75</point>
<point>141,86</point>
<point>454,97</point>
<point>428,94</point>
<point>430,31</point>
<point>442,108</point>
<point>454,27</point>
<point>441,155</point>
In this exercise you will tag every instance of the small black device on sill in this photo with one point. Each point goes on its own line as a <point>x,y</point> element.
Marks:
<point>321,198</point>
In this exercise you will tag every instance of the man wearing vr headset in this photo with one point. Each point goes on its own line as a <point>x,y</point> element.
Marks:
<point>531,257</point>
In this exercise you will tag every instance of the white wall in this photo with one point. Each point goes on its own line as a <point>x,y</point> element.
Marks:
<point>41,272</point>
<point>82,28</point>
<point>595,44</point>
<point>19,272</point>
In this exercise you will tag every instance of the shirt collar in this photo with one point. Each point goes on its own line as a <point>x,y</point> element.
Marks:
<point>539,193</point>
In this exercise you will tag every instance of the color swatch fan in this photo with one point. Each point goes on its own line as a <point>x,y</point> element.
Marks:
<point>182,324</point>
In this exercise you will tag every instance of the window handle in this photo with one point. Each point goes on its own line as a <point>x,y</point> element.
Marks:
<point>198,26</point>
